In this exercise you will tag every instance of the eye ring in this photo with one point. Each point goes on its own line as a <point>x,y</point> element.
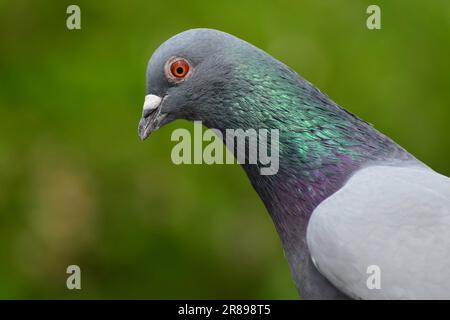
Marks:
<point>177,69</point>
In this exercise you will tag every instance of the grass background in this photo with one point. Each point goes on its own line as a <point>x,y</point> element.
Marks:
<point>78,187</point>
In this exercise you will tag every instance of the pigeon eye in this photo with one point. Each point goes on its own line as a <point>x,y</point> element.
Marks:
<point>179,68</point>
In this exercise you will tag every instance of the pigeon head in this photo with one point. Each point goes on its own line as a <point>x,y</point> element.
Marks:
<point>206,75</point>
<point>183,75</point>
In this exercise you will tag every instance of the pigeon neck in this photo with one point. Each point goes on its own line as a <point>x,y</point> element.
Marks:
<point>301,183</point>
<point>320,146</point>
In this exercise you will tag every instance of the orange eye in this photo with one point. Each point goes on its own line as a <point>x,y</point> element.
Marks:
<point>179,68</point>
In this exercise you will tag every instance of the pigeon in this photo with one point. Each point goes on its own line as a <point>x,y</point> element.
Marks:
<point>358,216</point>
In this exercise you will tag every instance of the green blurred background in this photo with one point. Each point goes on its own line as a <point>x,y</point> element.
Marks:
<point>77,186</point>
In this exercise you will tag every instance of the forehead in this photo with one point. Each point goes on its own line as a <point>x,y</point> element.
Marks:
<point>194,45</point>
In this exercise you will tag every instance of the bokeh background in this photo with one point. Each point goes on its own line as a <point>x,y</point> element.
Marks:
<point>77,186</point>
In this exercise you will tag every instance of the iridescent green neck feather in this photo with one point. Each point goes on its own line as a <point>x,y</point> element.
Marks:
<point>321,144</point>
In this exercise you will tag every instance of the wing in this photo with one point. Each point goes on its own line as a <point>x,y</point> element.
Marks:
<point>385,234</point>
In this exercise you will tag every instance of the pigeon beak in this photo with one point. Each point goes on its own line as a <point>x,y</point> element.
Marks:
<point>151,116</point>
